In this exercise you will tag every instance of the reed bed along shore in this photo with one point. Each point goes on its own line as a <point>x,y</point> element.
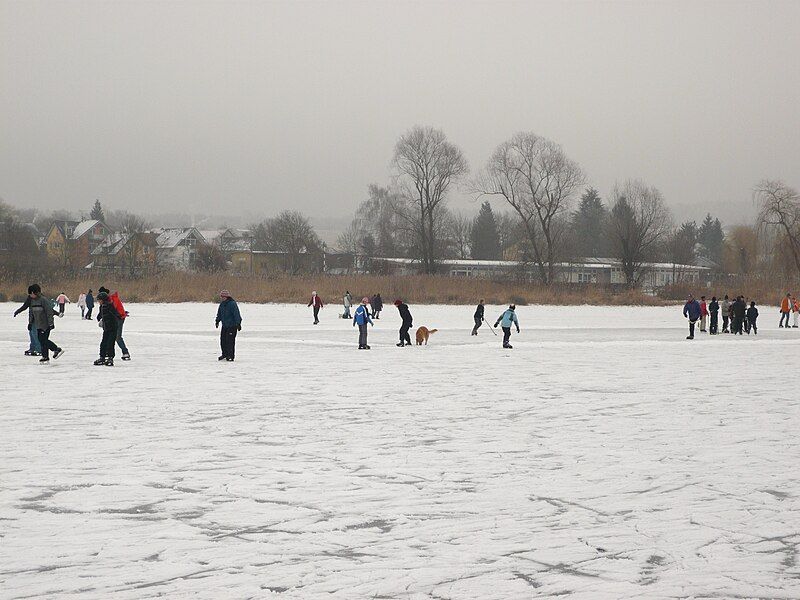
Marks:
<point>418,289</point>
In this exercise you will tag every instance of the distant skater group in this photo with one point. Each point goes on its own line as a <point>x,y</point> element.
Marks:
<point>739,316</point>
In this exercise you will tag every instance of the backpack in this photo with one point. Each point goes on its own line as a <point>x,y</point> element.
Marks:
<point>117,303</point>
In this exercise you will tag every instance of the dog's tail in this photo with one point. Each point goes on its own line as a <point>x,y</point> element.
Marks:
<point>432,330</point>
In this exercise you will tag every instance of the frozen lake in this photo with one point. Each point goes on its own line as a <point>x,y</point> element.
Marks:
<point>603,457</point>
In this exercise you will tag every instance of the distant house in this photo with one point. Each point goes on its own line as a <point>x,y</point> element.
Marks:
<point>266,262</point>
<point>71,243</point>
<point>176,247</point>
<point>586,271</point>
<point>229,239</point>
<point>128,253</point>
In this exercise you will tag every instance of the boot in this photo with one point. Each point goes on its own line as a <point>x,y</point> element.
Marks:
<point>109,362</point>
<point>99,362</point>
<point>401,344</point>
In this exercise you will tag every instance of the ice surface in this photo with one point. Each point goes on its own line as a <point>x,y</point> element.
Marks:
<point>603,457</point>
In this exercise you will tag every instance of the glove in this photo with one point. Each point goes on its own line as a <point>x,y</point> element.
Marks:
<point>517,329</point>
<point>30,326</point>
<point>238,328</point>
<point>496,324</point>
<point>216,324</point>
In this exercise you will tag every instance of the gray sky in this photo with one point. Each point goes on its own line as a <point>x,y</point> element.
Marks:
<point>239,108</point>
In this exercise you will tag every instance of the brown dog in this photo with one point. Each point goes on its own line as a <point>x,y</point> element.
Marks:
<point>423,333</point>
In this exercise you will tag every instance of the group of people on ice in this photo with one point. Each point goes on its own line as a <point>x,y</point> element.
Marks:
<point>41,322</point>
<point>739,316</point>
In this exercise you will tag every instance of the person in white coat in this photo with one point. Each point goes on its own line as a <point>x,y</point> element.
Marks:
<point>82,305</point>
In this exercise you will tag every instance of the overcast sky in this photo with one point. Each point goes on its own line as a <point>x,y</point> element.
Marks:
<point>226,107</point>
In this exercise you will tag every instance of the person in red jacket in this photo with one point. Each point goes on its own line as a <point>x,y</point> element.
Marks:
<point>703,313</point>
<point>316,303</point>
<point>121,313</point>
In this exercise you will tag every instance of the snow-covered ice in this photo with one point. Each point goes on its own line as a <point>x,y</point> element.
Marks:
<point>603,457</point>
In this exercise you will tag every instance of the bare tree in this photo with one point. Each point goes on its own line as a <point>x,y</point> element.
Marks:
<point>538,181</point>
<point>426,165</point>
<point>460,234</point>
<point>638,224</point>
<point>133,228</point>
<point>289,232</point>
<point>779,209</point>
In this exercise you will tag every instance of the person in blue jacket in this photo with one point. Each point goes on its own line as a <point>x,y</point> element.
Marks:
<point>506,320</point>
<point>692,311</point>
<point>228,314</point>
<point>89,305</point>
<point>361,318</point>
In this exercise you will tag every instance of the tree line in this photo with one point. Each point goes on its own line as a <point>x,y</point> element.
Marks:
<point>551,216</point>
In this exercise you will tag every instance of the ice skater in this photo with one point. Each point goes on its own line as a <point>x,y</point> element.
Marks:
<point>82,304</point>
<point>478,316</point>
<point>692,311</point>
<point>41,317</point>
<point>703,314</point>
<point>713,310</point>
<point>408,321</point>
<point>362,318</point>
<point>506,320</point>
<point>62,301</point>
<point>725,307</point>
<point>316,303</point>
<point>122,314</point>
<point>34,347</point>
<point>377,306</point>
<point>795,313</point>
<point>108,318</point>
<point>89,305</point>
<point>786,309</point>
<point>752,315</point>
<point>228,314</point>
<point>347,301</point>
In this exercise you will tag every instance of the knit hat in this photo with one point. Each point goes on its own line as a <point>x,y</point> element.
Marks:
<point>398,302</point>
<point>365,300</point>
<point>104,289</point>
<point>513,307</point>
<point>224,294</point>
<point>102,296</point>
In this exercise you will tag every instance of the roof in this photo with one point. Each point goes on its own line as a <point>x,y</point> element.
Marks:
<point>115,242</point>
<point>172,236</point>
<point>586,263</point>
<point>211,234</point>
<point>83,228</point>
<point>112,244</point>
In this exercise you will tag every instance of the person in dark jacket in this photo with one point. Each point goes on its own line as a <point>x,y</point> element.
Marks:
<point>408,321</point>
<point>89,305</point>
<point>362,318</point>
<point>108,318</point>
<point>713,310</point>
<point>377,306</point>
<point>478,316</point>
<point>692,311</point>
<point>739,315</point>
<point>228,314</point>
<point>34,347</point>
<point>123,314</point>
<point>752,315</point>
<point>40,317</point>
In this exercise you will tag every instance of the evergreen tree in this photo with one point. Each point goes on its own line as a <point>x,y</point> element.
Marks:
<point>589,226</point>
<point>485,236</point>
<point>712,238</point>
<point>97,212</point>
